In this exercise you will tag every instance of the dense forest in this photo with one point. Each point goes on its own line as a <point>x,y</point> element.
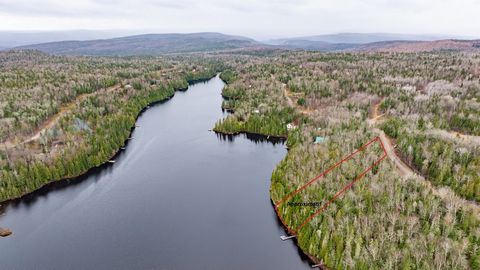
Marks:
<point>328,105</point>
<point>60,116</point>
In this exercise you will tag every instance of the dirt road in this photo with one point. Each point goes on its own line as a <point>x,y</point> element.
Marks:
<point>288,95</point>
<point>53,120</point>
<point>444,193</point>
<point>402,167</point>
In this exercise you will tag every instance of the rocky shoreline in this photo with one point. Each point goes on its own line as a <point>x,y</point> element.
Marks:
<point>4,232</point>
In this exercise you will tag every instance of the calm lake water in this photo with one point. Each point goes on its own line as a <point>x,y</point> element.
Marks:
<point>178,197</point>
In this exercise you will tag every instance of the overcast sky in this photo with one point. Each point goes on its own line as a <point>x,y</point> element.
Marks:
<point>259,19</point>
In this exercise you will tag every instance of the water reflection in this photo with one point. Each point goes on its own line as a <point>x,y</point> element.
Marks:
<point>178,197</point>
<point>256,138</point>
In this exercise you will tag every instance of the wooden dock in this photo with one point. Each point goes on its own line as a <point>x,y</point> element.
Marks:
<point>284,237</point>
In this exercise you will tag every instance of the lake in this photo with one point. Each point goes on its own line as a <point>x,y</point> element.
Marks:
<point>178,197</point>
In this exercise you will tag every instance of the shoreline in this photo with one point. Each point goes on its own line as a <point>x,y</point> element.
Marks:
<point>257,137</point>
<point>276,139</point>
<point>64,180</point>
<point>303,254</point>
<point>253,136</point>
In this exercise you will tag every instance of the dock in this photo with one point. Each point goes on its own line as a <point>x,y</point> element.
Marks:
<point>319,266</point>
<point>284,237</point>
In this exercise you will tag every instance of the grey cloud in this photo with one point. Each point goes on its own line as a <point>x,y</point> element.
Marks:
<point>273,17</point>
<point>48,9</point>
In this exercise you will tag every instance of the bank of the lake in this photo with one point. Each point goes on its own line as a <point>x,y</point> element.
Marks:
<point>178,197</point>
<point>273,139</point>
<point>158,96</point>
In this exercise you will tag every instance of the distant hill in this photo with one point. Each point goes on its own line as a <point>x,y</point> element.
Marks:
<point>373,42</point>
<point>362,38</point>
<point>154,44</point>
<point>317,45</point>
<point>150,44</point>
<point>11,39</point>
<point>422,46</point>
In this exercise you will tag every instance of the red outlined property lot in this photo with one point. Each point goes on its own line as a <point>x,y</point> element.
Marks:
<point>293,231</point>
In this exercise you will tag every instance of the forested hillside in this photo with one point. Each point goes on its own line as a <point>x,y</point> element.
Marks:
<point>427,104</point>
<point>149,44</point>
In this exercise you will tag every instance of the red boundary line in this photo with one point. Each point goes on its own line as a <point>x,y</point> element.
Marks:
<point>327,171</point>
<point>338,194</point>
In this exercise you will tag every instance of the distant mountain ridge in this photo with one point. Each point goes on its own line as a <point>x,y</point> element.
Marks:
<point>423,46</point>
<point>363,38</point>
<point>147,44</point>
<point>11,39</point>
<point>371,42</point>
<point>156,44</point>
